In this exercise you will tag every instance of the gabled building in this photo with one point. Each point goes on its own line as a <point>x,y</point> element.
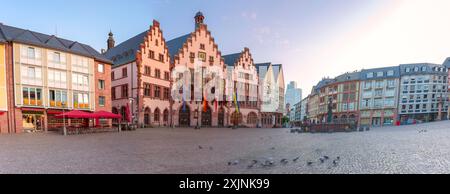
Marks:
<point>45,75</point>
<point>199,48</point>
<point>242,69</point>
<point>271,81</point>
<point>141,77</point>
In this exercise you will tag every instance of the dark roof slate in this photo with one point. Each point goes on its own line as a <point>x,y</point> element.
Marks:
<point>231,59</point>
<point>14,34</point>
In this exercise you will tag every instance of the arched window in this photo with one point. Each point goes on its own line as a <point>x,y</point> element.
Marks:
<point>115,111</point>
<point>251,118</point>
<point>147,116</point>
<point>156,116</point>
<point>166,115</point>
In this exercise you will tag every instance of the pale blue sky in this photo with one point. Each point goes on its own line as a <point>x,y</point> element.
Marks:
<point>312,39</point>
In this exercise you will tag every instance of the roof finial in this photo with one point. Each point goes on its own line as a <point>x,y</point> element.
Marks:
<point>199,19</point>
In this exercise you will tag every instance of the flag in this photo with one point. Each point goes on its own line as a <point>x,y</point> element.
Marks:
<point>127,113</point>
<point>236,102</point>
<point>205,103</point>
<point>215,104</point>
<point>184,101</point>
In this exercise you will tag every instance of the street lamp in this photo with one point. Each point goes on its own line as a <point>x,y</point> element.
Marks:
<point>64,119</point>
<point>131,111</point>
<point>120,119</point>
<point>196,114</point>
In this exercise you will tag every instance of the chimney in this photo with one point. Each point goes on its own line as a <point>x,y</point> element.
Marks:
<point>110,41</point>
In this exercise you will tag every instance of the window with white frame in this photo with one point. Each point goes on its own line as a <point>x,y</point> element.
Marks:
<point>80,81</point>
<point>30,55</point>
<point>57,79</point>
<point>100,68</point>
<point>81,100</point>
<point>80,64</point>
<point>56,60</point>
<point>370,75</point>
<point>31,75</point>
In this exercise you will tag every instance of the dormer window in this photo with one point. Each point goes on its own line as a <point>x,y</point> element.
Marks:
<point>407,70</point>
<point>424,68</point>
<point>202,46</point>
<point>380,74</point>
<point>390,73</point>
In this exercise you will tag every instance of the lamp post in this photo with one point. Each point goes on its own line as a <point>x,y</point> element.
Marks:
<point>119,120</point>
<point>196,114</point>
<point>131,111</point>
<point>64,119</point>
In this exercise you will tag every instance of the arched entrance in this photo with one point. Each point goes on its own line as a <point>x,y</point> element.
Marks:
<point>236,118</point>
<point>221,117</point>
<point>147,116</point>
<point>184,116</point>
<point>206,117</point>
<point>252,118</point>
<point>115,111</point>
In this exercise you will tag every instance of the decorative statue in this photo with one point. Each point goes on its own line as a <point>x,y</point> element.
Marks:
<point>330,110</point>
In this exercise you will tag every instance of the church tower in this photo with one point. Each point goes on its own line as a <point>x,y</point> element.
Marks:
<point>111,41</point>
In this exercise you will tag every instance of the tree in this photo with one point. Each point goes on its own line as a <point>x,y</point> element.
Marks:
<point>285,120</point>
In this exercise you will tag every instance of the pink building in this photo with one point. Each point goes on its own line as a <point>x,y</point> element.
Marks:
<point>141,77</point>
<point>243,70</point>
<point>198,47</point>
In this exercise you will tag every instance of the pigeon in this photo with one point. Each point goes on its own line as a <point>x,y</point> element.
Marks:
<point>268,162</point>
<point>234,163</point>
<point>335,163</point>
<point>309,163</point>
<point>284,161</point>
<point>295,159</point>
<point>272,148</point>
<point>326,157</point>
<point>322,160</point>
<point>252,164</point>
<point>200,147</point>
<point>338,158</point>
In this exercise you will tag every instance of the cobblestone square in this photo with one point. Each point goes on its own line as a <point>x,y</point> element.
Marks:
<point>423,148</point>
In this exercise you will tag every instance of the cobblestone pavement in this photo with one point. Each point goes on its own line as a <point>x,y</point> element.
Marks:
<point>423,148</point>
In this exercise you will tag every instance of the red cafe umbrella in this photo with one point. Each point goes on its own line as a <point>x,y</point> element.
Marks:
<point>105,115</point>
<point>76,114</point>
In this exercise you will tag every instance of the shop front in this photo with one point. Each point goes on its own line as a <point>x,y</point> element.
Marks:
<point>33,120</point>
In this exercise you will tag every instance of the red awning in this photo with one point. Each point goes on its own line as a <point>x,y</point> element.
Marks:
<point>76,114</point>
<point>106,115</point>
